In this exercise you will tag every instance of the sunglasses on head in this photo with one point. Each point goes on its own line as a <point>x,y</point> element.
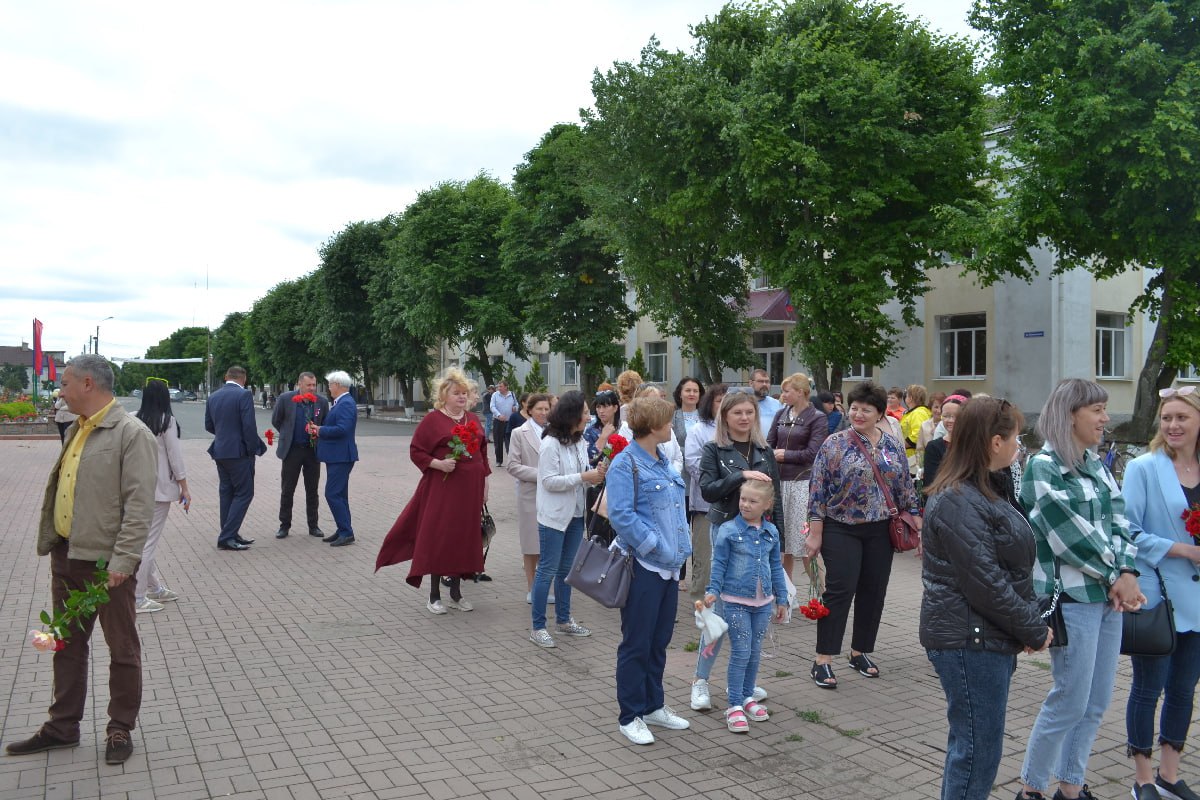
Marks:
<point>1182,391</point>
<point>163,381</point>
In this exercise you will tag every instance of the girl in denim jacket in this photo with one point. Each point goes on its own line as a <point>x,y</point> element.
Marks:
<point>747,575</point>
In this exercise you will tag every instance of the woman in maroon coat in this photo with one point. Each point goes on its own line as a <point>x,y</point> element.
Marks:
<point>439,528</point>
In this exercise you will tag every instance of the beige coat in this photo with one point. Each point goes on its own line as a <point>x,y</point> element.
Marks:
<point>522,464</point>
<point>114,494</point>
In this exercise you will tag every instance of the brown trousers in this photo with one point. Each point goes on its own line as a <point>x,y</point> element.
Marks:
<point>117,619</point>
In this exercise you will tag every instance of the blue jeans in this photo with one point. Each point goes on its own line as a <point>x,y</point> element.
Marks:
<point>647,624</point>
<point>1177,675</point>
<point>747,629</point>
<point>976,685</point>
<point>1083,673</point>
<point>555,557</point>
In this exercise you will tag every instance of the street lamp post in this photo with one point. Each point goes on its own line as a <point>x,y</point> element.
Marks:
<point>96,341</point>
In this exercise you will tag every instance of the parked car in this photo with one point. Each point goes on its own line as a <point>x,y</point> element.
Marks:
<point>136,393</point>
<point>177,394</point>
<point>188,394</point>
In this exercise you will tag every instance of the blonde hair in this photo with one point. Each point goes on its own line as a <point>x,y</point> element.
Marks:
<point>1159,442</point>
<point>919,395</point>
<point>765,488</point>
<point>649,390</point>
<point>627,383</point>
<point>646,414</point>
<point>798,381</point>
<point>441,387</point>
<point>732,400</point>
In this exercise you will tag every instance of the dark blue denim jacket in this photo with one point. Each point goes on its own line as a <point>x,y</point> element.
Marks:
<point>657,529</point>
<point>743,556</point>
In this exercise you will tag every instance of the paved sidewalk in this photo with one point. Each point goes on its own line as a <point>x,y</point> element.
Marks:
<point>293,671</point>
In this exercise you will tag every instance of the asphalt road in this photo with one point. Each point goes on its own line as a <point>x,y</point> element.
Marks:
<point>190,414</point>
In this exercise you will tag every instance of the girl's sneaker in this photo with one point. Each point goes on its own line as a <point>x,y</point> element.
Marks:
<point>735,720</point>
<point>701,699</point>
<point>756,711</point>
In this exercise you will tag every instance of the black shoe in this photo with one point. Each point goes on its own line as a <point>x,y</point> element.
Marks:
<point>1024,795</point>
<point>822,675</point>
<point>1146,791</point>
<point>483,576</point>
<point>281,533</point>
<point>240,540</point>
<point>342,541</point>
<point>1084,794</point>
<point>1177,790</point>
<point>38,743</point>
<point>232,546</point>
<point>331,537</point>
<point>118,747</point>
<point>315,531</point>
<point>446,582</point>
<point>863,666</point>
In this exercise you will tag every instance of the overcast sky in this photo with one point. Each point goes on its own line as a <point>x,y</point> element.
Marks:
<point>166,164</point>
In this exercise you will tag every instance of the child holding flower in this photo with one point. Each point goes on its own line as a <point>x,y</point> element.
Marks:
<point>747,575</point>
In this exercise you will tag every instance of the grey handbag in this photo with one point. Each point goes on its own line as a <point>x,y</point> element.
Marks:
<point>601,572</point>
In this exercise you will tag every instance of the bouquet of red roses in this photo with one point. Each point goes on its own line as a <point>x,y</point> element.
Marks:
<point>616,443</point>
<point>309,401</point>
<point>465,440</point>
<point>1191,521</point>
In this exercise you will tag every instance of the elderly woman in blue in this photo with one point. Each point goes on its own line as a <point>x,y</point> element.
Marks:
<point>646,509</point>
<point>1159,486</point>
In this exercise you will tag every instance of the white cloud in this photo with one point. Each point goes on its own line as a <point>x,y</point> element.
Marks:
<point>151,150</point>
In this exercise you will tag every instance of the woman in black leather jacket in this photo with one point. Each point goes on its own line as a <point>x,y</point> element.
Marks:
<point>979,609</point>
<point>737,453</point>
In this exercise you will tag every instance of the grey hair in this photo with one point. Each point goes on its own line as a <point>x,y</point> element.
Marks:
<point>340,378</point>
<point>1054,424</point>
<point>94,366</point>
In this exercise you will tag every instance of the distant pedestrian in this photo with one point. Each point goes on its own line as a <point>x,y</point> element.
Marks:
<point>487,410</point>
<point>63,417</point>
<point>503,406</point>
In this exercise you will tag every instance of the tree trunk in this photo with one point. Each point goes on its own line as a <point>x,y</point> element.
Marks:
<point>1155,375</point>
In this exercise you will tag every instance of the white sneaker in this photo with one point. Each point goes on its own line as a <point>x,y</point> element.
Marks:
<point>163,595</point>
<point>701,699</point>
<point>529,598</point>
<point>572,628</point>
<point>541,637</point>
<point>637,732</point>
<point>147,606</point>
<point>666,718</point>
<point>435,607</point>
<point>462,604</point>
<point>759,695</point>
<point>550,600</point>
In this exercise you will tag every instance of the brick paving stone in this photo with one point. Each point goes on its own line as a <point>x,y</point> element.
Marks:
<point>295,671</point>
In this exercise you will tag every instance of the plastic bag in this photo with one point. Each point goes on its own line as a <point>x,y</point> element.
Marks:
<point>711,626</point>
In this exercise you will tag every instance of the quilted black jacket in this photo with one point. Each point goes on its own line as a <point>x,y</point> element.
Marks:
<point>977,573</point>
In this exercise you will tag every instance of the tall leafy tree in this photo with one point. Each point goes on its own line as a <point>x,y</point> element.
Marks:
<point>190,342</point>
<point>852,130</point>
<point>1102,98</point>
<point>279,334</point>
<point>573,290</point>
<point>448,279</point>
<point>229,341</point>
<point>660,192</point>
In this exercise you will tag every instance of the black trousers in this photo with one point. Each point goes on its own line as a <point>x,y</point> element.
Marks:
<point>500,438</point>
<point>299,460</point>
<point>858,566</point>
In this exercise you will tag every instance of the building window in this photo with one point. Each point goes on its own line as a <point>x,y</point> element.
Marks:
<point>962,345</point>
<point>858,372</point>
<point>544,366</point>
<point>759,280</point>
<point>1111,334</point>
<point>1190,373</point>
<point>570,372</point>
<point>768,353</point>
<point>656,362</point>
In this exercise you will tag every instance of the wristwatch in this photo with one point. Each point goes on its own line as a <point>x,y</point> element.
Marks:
<point>1129,571</point>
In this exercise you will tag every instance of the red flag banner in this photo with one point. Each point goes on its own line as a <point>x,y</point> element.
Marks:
<point>53,370</point>
<point>37,347</point>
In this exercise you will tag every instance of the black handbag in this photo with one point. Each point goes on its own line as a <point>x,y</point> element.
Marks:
<point>601,572</point>
<point>487,526</point>
<point>1050,610</point>
<point>1150,631</point>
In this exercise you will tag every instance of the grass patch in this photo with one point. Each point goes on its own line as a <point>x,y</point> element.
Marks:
<point>1039,664</point>
<point>691,647</point>
<point>810,716</point>
<point>852,732</point>
<point>781,674</point>
<point>793,737</point>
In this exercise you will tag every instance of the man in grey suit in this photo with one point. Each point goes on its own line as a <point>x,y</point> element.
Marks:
<point>298,453</point>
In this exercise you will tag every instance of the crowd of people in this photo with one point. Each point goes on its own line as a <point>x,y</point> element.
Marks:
<point>714,491</point>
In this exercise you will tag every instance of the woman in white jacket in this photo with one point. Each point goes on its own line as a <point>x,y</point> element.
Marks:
<point>522,464</point>
<point>562,474</point>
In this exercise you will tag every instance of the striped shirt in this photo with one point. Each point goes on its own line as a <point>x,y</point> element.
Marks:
<point>1080,521</point>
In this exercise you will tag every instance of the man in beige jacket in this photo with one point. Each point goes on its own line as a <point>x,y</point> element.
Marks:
<point>98,505</point>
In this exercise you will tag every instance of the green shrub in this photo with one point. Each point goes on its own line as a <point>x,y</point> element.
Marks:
<point>17,410</point>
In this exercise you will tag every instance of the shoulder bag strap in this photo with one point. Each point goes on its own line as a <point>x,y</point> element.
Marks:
<point>887,491</point>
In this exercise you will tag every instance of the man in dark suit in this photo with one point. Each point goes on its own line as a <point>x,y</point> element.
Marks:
<point>229,416</point>
<point>336,448</point>
<point>299,454</point>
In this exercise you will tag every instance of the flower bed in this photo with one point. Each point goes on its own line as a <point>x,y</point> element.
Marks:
<point>34,427</point>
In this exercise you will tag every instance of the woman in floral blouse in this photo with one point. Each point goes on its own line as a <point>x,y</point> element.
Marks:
<point>848,525</point>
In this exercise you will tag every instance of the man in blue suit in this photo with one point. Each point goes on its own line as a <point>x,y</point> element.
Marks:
<point>229,416</point>
<point>336,447</point>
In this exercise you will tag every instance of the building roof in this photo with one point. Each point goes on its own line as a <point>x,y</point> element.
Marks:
<point>771,305</point>
<point>23,356</point>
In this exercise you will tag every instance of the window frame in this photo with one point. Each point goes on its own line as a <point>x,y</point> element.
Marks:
<point>976,337</point>
<point>1113,342</point>
<point>656,363</point>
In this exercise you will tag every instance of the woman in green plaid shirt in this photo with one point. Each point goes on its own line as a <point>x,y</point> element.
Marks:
<point>1077,514</point>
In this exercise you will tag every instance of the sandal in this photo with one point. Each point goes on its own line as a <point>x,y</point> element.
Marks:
<point>756,711</point>
<point>822,676</point>
<point>735,720</point>
<point>864,665</point>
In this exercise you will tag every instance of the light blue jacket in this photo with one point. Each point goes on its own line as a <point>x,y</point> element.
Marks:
<point>656,530</point>
<point>744,557</point>
<point>1154,504</point>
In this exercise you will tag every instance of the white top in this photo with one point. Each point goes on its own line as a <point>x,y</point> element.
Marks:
<point>561,493</point>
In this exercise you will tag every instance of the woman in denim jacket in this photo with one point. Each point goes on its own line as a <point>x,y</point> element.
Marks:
<point>646,509</point>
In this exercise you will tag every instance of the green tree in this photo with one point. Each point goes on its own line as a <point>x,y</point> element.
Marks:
<point>660,192</point>
<point>14,377</point>
<point>447,277</point>
<point>1102,102</point>
<point>851,130</point>
<point>190,342</point>
<point>573,289</point>
<point>279,335</point>
<point>637,363</point>
<point>228,342</point>
<point>534,382</point>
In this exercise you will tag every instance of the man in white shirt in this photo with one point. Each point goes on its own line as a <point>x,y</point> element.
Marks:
<point>504,405</point>
<point>768,406</point>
